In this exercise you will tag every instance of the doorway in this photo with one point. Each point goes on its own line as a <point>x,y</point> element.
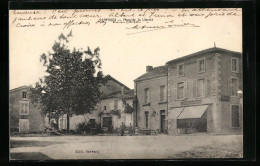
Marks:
<point>162,120</point>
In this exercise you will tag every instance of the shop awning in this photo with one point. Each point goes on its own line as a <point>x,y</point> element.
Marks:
<point>174,113</point>
<point>193,112</point>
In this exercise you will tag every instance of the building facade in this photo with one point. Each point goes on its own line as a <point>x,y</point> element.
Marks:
<point>202,94</point>
<point>117,108</point>
<point>25,117</point>
<point>111,92</point>
<point>151,105</point>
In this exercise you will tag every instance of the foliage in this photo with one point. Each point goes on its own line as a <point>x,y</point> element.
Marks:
<point>128,108</point>
<point>116,112</point>
<point>72,84</point>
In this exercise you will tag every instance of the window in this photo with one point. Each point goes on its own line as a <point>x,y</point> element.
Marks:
<point>146,95</point>
<point>235,65</point>
<point>24,94</point>
<point>105,107</point>
<point>162,93</point>
<point>201,88</point>
<point>201,65</point>
<point>180,70</point>
<point>146,119</point>
<point>234,86</point>
<point>92,122</point>
<point>180,90</point>
<point>116,105</point>
<point>234,116</point>
<point>24,108</point>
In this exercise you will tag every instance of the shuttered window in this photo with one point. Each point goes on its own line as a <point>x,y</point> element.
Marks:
<point>24,125</point>
<point>162,93</point>
<point>146,95</point>
<point>24,107</point>
<point>234,115</point>
<point>235,65</point>
<point>234,86</point>
<point>201,88</point>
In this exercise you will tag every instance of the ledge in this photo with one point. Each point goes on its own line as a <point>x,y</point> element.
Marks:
<point>163,102</point>
<point>148,104</point>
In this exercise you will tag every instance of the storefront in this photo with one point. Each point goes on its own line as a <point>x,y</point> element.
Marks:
<point>190,119</point>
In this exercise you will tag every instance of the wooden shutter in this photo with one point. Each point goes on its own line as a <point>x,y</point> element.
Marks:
<point>195,88</point>
<point>208,87</point>
<point>185,89</point>
<point>24,126</point>
<point>174,93</point>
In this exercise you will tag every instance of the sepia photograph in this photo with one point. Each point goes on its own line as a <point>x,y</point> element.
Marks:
<point>147,83</point>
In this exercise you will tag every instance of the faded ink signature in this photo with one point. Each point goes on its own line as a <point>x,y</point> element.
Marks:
<point>147,28</point>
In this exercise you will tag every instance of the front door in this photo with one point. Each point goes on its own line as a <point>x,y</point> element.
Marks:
<point>107,122</point>
<point>162,120</point>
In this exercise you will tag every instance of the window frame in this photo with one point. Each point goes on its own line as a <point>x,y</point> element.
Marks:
<point>147,96</point>
<point>204,87</point>
<point>238,115</point>
<point>231,95</point>
<point>198,60</point>
<point>20,110</point>
<point>183,82</point>
<point>237,65</point>
<point>180,64</point>
<point>164,93</point>
<point>24,92</point>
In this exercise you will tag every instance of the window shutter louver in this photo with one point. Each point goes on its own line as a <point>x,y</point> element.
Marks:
<point>174,91</point>
<point>205,88</point>
<point>186,89</point>
<point>195,88</point>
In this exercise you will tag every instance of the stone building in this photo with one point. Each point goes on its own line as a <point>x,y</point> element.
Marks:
<point>151,105</point>
<point>202,92</point>
<point>24,116</point>
<point>112,90</point>
<point>114,109</point>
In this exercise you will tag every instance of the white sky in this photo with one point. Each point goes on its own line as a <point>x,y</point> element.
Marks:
<point>124,57</point>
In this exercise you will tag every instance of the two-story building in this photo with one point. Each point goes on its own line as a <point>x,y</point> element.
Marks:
<point>203,92</point>
<point>193,93</point>
<point>151,105</point>
<point>117,108</point>
<point>111,92</point>
<point>25,117</point>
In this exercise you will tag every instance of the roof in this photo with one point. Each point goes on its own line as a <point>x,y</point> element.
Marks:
<point>118,94</point>
<point>112,78</point>
<point>128,94</point>
<point>154,73</point>
<point>214,49</point>
<point>18,88</point>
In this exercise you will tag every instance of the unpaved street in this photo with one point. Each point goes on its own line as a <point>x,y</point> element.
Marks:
<point>116,147</point>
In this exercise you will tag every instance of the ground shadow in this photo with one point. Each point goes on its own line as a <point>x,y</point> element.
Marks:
<point>29,156</point>
<point>30,143</point>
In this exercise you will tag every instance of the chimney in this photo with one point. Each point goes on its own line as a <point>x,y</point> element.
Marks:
<point>149,68</point>
<point>123,90</point>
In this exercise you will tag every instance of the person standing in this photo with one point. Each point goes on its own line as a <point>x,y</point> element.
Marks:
<point>122,128</point>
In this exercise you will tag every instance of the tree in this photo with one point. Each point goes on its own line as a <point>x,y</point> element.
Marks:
<point>73,81</point>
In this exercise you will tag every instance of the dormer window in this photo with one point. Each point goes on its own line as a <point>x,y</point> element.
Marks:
<point>180,70</point>
<point>24,95</point>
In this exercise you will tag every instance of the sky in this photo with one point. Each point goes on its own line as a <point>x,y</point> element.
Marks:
<point>123,56</point>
